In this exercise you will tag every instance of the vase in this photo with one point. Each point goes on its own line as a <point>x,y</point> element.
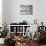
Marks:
<point>2,40</point>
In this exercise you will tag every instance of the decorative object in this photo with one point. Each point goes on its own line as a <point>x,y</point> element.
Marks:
<point>26,9</point>
<point>2,40</point>
<point>35,21</point>
<point>28,33</point>
<point>3,34</point>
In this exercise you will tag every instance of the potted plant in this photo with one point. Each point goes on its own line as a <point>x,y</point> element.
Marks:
<point>3,34</point>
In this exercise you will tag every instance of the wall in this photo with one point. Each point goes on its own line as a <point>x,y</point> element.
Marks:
<point>0,13</point>
<point>15,15</point>
<point>11,11</point>
<point>4,11</point>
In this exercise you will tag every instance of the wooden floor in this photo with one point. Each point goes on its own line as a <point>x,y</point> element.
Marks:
<point>32,45</point>
<point>42,45</point>
<point>2,45</point>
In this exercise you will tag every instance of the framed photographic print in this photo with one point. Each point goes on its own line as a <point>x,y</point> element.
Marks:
<point>26,9</point>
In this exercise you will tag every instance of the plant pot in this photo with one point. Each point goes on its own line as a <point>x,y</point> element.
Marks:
<point>2,40</point>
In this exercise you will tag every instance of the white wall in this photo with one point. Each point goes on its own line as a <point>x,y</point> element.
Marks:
<point>4,11</point>
<point>15,15</point>
<point>11,11</point>
<point>0,13</point>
